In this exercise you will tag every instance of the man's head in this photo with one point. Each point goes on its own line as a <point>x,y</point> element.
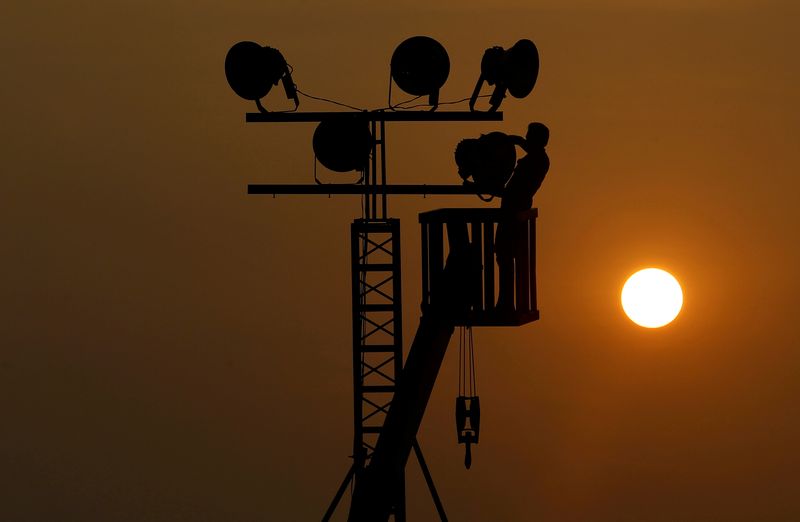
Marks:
<point>538,134</point>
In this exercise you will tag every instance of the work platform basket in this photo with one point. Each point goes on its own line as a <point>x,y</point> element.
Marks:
<point>472,232</point>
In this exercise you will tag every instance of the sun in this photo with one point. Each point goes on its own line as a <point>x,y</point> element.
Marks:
<point>652,298</point>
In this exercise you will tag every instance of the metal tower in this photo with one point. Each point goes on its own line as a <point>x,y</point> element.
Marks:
<point>390,395</point>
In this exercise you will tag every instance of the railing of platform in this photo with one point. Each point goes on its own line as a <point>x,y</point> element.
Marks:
<point>472,234</point>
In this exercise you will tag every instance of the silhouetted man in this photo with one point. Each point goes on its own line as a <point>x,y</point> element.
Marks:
<point>517,196</point>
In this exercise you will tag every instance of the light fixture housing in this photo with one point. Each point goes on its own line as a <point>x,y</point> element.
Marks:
<point>342,145</point>
<point>252,70</point>
<point>514,70</point>
<point>420,66</point>
<point>488,160</point>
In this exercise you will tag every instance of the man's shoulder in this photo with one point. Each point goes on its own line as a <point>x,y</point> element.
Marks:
<point>536,156</point>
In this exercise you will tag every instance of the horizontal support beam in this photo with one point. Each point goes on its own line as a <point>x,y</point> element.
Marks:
<point>263,117</point>
<point>330,189</point>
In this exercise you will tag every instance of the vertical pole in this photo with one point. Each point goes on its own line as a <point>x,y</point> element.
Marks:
<point>367,208</point>
<point>397,287</point>
<point>436,253</point>
<point>476,290</point>
<point>358,449</point>
<point>488,265</point>
<point>426,289</point>
<point>522,263</point>
<point>383,168</point>
<point>532,267</point>
<point>374,195</point>
<point>397,292</point>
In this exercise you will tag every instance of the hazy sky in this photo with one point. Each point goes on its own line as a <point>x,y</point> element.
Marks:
<point>173,349</point>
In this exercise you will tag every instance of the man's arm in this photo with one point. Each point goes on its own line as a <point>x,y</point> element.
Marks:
<point>520,142</point>
<point>471,184</point>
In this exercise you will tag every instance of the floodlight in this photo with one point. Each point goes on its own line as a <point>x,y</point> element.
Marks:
<point>252,70</point>
<point>420,67</point>
<point>342,145</point>
<point>488,160</point>
<point>514,70</point>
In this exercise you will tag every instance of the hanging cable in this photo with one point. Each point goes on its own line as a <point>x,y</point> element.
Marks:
<point>389,98</point>
<point>328,100</point>
<point>460,361</point>
<point>454,102</point>
<point>468,408</point>
<point>399,106</point>
<point>467,374</point>
<point>473,383</point>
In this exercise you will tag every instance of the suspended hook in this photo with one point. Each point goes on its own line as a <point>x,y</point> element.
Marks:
<point>468,422</point>
<point>468,406</point>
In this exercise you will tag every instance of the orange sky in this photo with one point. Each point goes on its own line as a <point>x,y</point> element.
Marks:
<point>173,349</point>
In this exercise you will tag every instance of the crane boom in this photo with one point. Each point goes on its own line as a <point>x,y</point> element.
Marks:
<point>373,496</point>
<point>375,490</point>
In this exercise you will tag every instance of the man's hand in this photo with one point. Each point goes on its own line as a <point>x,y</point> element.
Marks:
<point>520,142</point>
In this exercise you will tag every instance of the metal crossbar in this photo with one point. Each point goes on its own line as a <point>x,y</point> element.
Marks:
<point>378,409</point>
<point>376,288</point>
<point>378,327</point>
<point>376,247</point>
<point>377,369</point>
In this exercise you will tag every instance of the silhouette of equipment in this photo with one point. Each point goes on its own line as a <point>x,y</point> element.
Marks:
<point>420,66</point>
<point>489,161</point>
<point>449,300</point>
<point>514,71</point>
<point>342,145</point>
<point>468,404</point>
<point>458,251</point>
<point>252,70</point>
<point>468,423</point>
<point>471,233</point>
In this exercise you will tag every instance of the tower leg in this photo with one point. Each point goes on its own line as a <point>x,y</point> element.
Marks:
<point>429,480</point>
<point>338,497</point>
